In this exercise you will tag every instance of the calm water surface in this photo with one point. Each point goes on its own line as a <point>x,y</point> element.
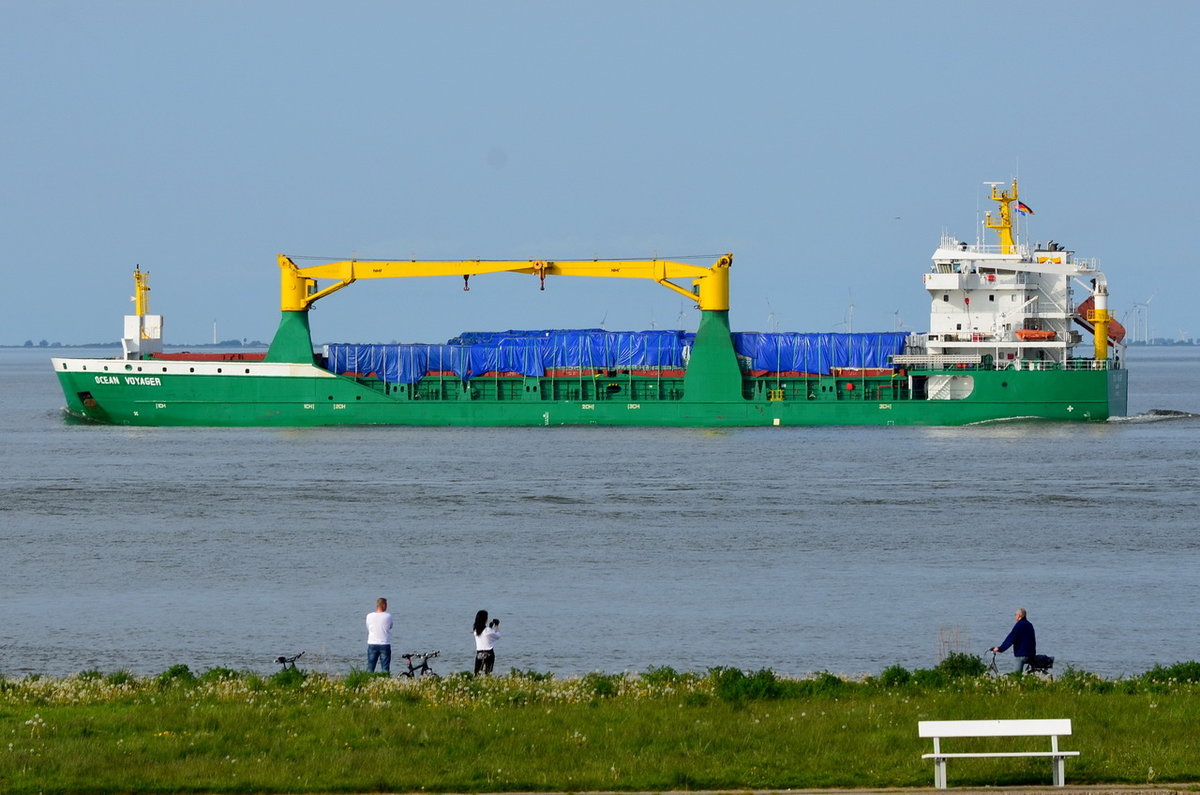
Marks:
<point>840,549</point>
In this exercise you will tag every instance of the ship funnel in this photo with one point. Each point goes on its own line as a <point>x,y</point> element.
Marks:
<point>1100,319</point>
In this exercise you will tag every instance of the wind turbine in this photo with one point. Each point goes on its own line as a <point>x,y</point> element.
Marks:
<point>772,321</point>
<point>1143,319</point>
<point>848,322</point>
<point>848,318</point>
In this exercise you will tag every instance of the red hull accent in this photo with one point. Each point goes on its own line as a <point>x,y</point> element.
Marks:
<point>210,357</point>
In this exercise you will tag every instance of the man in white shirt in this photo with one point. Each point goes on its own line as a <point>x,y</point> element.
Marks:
<point>379,637</point>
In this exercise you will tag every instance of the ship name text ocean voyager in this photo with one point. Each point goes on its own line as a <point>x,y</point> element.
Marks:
<point>132,380</point>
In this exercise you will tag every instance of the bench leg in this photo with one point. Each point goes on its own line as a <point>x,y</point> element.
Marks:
<point>939,773</point>
<point>1060,775</point>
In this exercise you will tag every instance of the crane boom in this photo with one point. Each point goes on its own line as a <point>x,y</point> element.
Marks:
<point>299,288</point>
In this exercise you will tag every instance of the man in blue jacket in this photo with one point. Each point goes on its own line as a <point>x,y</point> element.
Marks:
<point>1022,640</point>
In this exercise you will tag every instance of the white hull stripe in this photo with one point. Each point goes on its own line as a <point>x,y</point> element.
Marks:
<point>149,368</point>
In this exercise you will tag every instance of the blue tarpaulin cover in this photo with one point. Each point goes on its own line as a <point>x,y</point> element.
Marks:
<point>817,353</point>
<point>577,348</point>
<point>532,352</point>
<point>396,364</point>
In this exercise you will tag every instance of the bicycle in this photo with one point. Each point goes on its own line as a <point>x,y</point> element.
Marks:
<point>419,670</point>
<point>1038,664</point>
<point>289,662</point>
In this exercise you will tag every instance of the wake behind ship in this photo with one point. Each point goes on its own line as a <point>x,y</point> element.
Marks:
<point>1003,330</point>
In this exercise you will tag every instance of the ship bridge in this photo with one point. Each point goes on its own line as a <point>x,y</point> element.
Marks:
<point>1010,303</point>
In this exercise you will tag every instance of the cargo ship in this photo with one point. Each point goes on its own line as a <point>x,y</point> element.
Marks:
<point>1003,332</point>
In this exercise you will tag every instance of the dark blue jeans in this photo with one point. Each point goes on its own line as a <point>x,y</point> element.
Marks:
<point>379,653</point>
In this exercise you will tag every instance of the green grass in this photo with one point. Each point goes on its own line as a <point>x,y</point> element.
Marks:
<point>223,731</point>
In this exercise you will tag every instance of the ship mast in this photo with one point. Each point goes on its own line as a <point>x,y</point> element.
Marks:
<point>143,331</point>
<point>1003,227</point>
<point>141,292</point>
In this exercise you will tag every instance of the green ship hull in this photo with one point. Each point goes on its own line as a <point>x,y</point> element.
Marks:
<point>713,392</point>
<point>319,398</point>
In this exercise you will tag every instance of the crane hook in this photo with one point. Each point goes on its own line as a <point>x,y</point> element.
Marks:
<point>540,267</point>
<point>466,284</point>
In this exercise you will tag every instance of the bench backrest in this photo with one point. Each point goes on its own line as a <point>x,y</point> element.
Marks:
<point>1040,727</point>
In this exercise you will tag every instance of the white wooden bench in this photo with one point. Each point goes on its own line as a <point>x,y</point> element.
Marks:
<point>941,729</point>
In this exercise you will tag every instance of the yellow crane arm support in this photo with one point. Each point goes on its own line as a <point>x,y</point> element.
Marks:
<point>141,292</point>
<point>299,288</point>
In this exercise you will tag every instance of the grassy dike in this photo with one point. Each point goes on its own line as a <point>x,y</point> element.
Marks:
<point>225,731</point>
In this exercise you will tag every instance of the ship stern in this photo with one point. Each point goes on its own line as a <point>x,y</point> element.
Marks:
<point>1118,392</point>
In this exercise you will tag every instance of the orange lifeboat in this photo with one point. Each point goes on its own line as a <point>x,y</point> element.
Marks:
<point>1030,334</point>
<point>1116,332</point>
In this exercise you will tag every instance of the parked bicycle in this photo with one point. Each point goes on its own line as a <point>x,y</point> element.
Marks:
<point>419,670</point>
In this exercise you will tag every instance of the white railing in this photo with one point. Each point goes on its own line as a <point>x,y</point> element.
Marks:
<point>1090,364</point>
<point>935,360</point>
<point>1070,364</point>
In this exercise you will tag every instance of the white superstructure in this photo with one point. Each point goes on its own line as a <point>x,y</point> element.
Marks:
<point>1012,304</point>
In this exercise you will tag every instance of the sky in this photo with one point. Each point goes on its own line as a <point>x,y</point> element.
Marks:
<point>826,145</point>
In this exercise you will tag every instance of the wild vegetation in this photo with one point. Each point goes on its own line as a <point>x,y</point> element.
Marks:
<point>228,731</point>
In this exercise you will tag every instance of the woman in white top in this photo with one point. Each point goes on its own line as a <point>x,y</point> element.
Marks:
<point>486,635</point>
